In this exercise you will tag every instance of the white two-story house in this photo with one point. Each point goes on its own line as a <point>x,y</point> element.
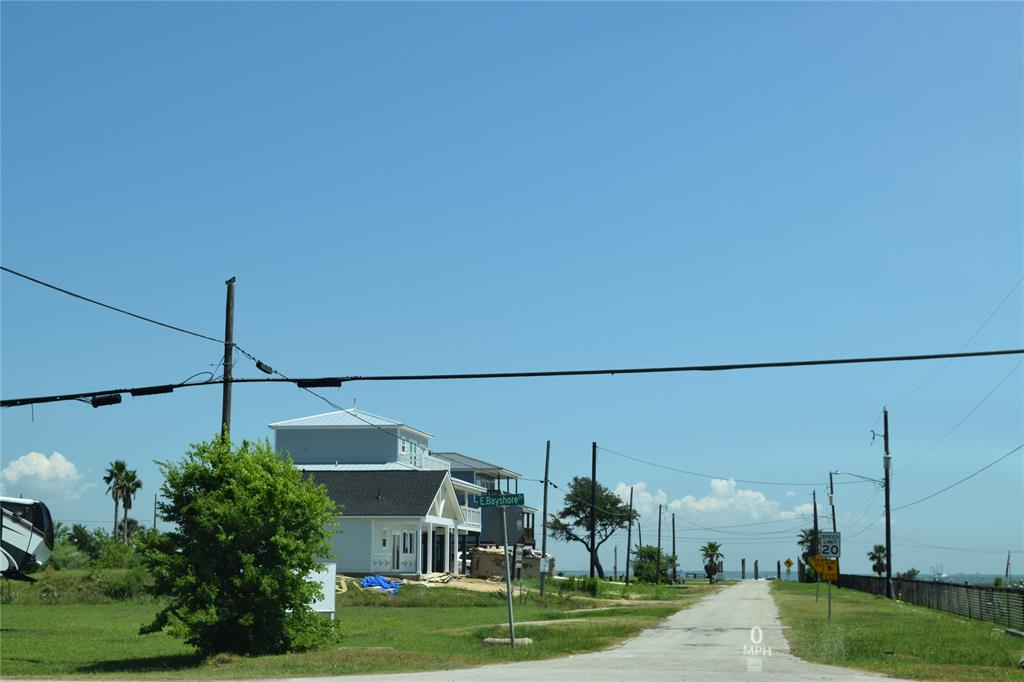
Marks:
<point>400,506</point>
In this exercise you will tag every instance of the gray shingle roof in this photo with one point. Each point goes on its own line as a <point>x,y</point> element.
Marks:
<point>381,493</point>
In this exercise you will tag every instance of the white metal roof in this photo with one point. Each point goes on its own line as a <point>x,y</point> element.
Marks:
<point>385,466</point>
<point>352,418</point>
<point>461,462</point>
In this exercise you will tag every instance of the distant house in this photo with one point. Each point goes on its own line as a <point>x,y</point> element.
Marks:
<point>491,477</point>
<point>403,512</point>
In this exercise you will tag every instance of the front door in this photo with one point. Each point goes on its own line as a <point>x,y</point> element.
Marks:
<point>396,549</point>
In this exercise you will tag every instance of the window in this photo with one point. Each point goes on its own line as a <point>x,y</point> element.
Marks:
<point>384,538</point>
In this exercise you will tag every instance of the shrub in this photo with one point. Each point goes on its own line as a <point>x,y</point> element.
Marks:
<point>581,584</point>
<point>249,529</point>
<point>130,584</point>
<point>645,565</point>
<point>66,556</point>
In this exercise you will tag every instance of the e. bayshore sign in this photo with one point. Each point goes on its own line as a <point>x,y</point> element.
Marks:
<point>506,500</point>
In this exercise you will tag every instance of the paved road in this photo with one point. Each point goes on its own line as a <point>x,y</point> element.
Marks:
<point>704,642</point>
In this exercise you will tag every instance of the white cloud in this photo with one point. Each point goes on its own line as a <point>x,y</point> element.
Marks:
<point>35,474</point>
<point>724,504</point>
<point>790,493</point>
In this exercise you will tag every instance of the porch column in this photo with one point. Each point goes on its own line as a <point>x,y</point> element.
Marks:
<point>447,549</point>
<point>430,548</point>
<point>419,541</point>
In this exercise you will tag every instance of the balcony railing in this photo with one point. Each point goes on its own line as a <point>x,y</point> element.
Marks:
<point>422,460</point>
<point>471,517</point>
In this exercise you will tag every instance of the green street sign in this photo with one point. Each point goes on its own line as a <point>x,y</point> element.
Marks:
<point>502,500</point>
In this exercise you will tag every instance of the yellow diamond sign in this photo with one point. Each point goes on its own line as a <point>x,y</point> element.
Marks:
<point>789,563</point>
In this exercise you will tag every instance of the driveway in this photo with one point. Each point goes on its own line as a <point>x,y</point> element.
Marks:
<point>734,634</point>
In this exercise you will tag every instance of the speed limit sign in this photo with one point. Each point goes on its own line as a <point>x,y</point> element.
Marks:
<point>829,545</point>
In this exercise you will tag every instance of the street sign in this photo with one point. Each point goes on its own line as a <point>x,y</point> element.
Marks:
<point>503,500</point>
<point>829,544</point>
<point>829,570</point>
<point>788,564</point>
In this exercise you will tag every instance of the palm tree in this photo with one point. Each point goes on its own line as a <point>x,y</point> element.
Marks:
<point>130,485</point>
<point>712,553</point>
<point>808,539</point>
<point>114,478</point>
<point>877,556</point>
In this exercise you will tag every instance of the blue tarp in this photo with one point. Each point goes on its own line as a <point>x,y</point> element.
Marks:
<point>381,582</point>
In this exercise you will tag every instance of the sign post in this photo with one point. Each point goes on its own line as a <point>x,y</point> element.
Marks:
<point>789,566</point>
<point>502,501</point>
<point>826,564</point>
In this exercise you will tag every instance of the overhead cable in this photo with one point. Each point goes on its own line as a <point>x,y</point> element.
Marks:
<point>962,480</point>
<point>337,381</point>
<point>108,306</point>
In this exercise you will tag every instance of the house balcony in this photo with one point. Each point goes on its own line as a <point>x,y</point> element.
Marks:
<point>422,460</point>
<point>471,518</point>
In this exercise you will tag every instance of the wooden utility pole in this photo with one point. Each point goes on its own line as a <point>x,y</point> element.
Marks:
<point>887,463</point>
<point>815,544</point>
<point>832,500</point>
<point>657,564</point>
<point>629,534</point>
<point>593,507</point>
<point>229,345</point>
<point>544,521</point>
<point>675,562</point>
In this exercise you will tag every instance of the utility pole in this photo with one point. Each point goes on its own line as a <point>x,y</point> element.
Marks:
<point>629,533</point>
<point>544,520</point>
<point>832,501</point>
<point>887,463</point>
<point>229,344</point>
<point>675,556</point>
<point>154,511</point>
<point>593,507</point>
<point>814,545</point>
<point>657,564</point>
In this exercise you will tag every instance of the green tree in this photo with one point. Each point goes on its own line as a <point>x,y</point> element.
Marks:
<point>85,540</point>
<point>114,478</point>
<point>712,554</point>
<point>645,565</point>
<point>572,524</point>
<point>877,557</point>
<point>911,574</point>
<point>130,485</point>
<point>133,527</point>
<point>248,529</point>
<point>808,541</point>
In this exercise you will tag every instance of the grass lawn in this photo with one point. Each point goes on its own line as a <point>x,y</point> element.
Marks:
<point>891,637</point>
<point>421,629</point>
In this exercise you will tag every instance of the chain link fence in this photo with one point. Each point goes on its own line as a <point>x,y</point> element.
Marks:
<point>997,604</point>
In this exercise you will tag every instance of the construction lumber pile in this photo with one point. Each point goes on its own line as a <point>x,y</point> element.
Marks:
<point>486,562</point>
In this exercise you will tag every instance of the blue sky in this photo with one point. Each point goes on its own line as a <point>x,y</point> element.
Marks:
<point>484,187</point>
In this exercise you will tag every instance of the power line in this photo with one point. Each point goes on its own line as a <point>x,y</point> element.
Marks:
<point>964,345</point>
<point>700,475</point>
<point>964,418</point>
<point>337,381</point>
<point>962,480</point>
<point>108,306</point>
